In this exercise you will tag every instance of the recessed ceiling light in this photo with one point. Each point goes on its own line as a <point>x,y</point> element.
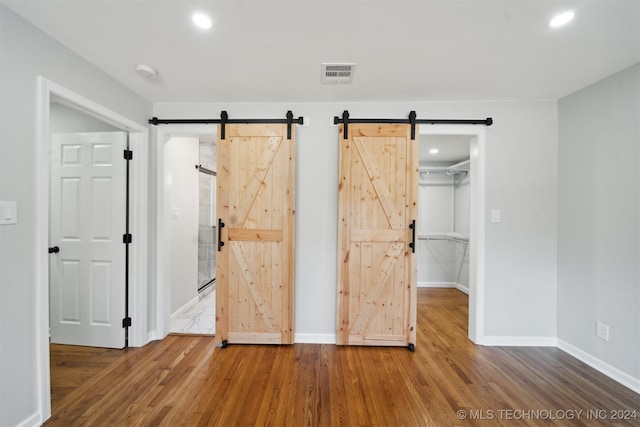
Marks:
<point>433,151</point>
<point>201,20</point>
<point>561,19</point>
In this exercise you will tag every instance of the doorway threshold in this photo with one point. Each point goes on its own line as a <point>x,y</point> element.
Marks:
<point>200,318</point>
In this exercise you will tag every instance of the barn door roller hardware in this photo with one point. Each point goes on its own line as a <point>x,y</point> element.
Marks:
<point>412,120</point>
<point>224,120</point>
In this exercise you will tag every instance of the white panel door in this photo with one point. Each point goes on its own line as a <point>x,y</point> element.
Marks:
<point>87,275</point>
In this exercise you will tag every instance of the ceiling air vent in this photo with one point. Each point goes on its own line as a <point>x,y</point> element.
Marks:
<point>337,73</point>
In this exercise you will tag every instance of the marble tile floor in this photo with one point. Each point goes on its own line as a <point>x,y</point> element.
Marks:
<point>200,318</point>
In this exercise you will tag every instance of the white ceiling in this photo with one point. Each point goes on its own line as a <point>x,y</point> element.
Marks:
<point>271,51</point>
<point>451,148</point>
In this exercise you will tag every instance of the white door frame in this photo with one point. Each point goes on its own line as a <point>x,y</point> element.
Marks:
<point>138,139</point>
<point>161,262</point>
<point>477,221</point>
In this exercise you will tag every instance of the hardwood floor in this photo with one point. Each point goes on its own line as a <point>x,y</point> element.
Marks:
<point>448,381</point>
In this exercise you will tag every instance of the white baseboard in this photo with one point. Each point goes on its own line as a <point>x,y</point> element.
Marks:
<point>297,338</point>
<point>458,286</point>
<point>35,420</point>
<point>154,336</point>
<point>437,284</point>
<point>314,338</point>
<point>597,364</point>
<point>462,288</point>
<point>185,307</point>
<point>502,341</point>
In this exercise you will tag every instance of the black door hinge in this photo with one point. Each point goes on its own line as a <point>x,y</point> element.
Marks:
<point>126,322</point>
<point>127,238</point>
<point>128,154</point>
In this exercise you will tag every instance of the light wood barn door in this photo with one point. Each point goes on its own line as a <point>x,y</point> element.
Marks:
<point>378,193</point>
<point>256,204</point>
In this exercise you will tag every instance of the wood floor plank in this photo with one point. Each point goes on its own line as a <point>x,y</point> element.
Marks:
<point>186,381</point>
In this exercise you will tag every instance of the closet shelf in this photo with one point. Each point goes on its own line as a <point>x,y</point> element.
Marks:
<point>450,236</point>
<point>458,168</point>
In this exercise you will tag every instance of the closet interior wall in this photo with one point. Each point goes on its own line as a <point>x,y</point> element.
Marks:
<point>443,230</point>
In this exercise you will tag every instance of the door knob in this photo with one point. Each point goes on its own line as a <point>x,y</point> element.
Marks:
<point>54,250</point>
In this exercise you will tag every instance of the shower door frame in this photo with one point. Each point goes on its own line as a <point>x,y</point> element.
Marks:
<point>212,216</point>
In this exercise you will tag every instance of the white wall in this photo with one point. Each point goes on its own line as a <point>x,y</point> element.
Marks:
<point>599,222</point>
<point>25,53</point>
<point>63,119</point>
<point>435,203</point>
<point>462,203</point>
<point>443,207</point>
<point>182,208</point>
<point>521,250</point>
<point>436,263</point>
<point>436,258</point>
<point>461,269</point>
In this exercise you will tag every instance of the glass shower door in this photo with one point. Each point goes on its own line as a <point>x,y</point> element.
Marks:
<point>207,229</point>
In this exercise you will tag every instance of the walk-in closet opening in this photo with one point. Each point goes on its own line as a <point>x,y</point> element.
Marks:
<point>190,210</point>
<point>451,212</point>
<point>444,209</point>
<point>450,226</point>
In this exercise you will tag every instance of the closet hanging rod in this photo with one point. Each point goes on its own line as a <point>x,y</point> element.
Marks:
<point>224,119</point>
<point>433,168</point>
<point>429,171</point>
<point>460,165</point>
<point>445,237</point>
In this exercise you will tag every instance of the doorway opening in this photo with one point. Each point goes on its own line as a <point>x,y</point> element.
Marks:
<point>186,229</point>
<point>51,97</point>
<point>451,209</point>
<point>443,212</point>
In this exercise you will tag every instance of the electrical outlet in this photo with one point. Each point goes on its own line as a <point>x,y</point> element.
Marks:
<point>602,331</point>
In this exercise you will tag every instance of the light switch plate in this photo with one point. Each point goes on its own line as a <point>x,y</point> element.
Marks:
<point>495,215</point>
<point>8,213</point>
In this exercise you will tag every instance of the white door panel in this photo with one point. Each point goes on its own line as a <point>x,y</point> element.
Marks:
<point>87,223</point>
